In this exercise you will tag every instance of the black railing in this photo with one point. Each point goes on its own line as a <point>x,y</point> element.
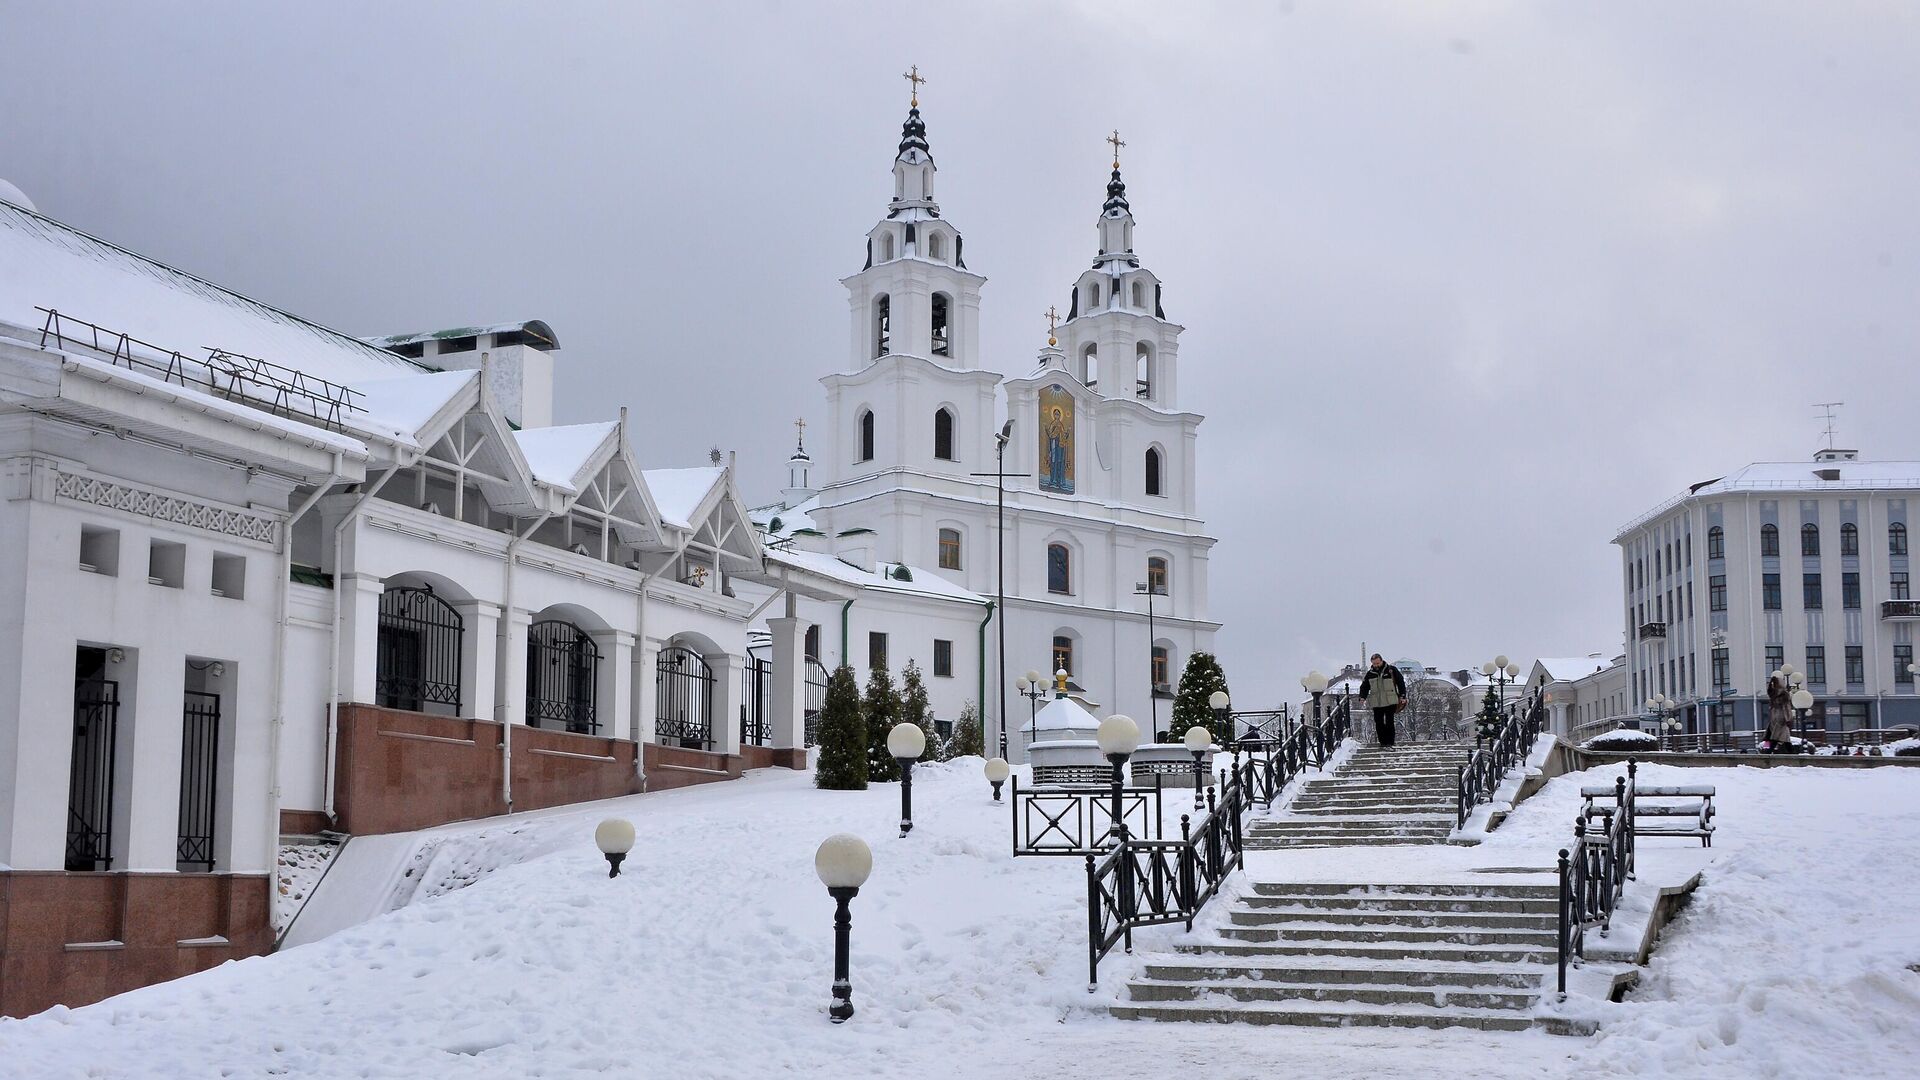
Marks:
<point>685,699</point>
<point>96,717</point>
<point>1595,872</point>
<point>1077,819</point>
<point>756,681</point>
<point>1154,882</point>
<point>417,660</point>
<point>563,664</point>
<point>1264,725</point>
<point>1507,744</point>
<point>199,780</point>
<point>1271,765</point>
<point>816,697</point>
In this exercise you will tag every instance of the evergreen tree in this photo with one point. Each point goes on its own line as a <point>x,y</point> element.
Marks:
<point>842,733</point>
<point>1192,705</point>
<point>967,739</point>
<point>882,707</point>
<point>915,709</point>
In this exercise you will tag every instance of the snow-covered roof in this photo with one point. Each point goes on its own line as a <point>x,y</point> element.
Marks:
<point>792,519</point>
<point>541,334</point>
<point>678,493</point>
<point>920,581</point>
<point>407,404</point>
<point>1569,668</point>
<point>559,455</point>
<point>46,264</point>
<point>1783,476</point>
<point>1063,718</point>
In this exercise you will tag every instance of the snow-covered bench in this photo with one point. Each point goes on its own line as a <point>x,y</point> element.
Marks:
<point>1662,810</point>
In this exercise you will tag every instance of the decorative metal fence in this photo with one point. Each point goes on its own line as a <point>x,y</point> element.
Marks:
<point>1594,874</point>
<point>199,780</point>
<point>1266,725</point>
<point>1272,764</point>
<point>816,697</point>
<point>1509,743</point>
<point>563,666</point>
<point>685,699</point>
<point>417,659</point>
<point>756,682</point>
<point>96,718</point>
<point>1077,819</point>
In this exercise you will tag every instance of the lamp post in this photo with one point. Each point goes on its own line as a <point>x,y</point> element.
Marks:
<point>997,771</point>
<point>1665,714</point>
<point>1197,740</point>
<point>1000,440</point>
<point>843,862</point>
<point>906,742</point>
<point>1315,684</point>
<point>1033,690</point>
<point>1222,718</point>
<point>614,838</point>
<point>1150,590</point>
<point>1802,701</point>
<point>1118,737</point>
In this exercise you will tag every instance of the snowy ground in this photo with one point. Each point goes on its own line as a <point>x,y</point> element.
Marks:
<point>711,954</point>
<point>301,866</point>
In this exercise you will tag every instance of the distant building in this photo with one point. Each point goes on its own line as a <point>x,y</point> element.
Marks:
<point>1580,690</point>
<point>1802,563</point>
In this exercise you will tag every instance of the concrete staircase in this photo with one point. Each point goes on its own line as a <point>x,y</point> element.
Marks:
<point>1366,954</point>
<point>1397,795</point>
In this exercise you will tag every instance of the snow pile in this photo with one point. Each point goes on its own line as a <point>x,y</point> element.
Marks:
<point>1623,739</point>
<point>300,869</point>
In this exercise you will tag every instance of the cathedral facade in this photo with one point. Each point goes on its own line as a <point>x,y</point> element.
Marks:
<point>1096,562</point>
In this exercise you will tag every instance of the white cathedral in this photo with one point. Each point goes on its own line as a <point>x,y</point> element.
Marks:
<point>1100,519</point>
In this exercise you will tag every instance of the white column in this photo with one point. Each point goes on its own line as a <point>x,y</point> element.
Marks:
<point>359,614</point>
<point>726,702</point>
<point>479,657</point>
<point>614,684</point>
<point>149,740</point>
<point>511,675</point>
<point>787,710</point>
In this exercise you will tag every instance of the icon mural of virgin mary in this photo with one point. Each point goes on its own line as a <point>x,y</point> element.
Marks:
<point>1056,440</point>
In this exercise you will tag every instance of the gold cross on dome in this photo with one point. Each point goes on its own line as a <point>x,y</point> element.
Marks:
<point>1053,319</point>
<point>800,428</point>
<point>1117,144</point>
<point>912,75</point>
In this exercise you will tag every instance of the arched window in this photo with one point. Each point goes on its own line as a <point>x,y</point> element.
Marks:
<point>1849,539</point>
<point>942,341</point>
<point>417,652</point>
<point>1089,365</point>
<point>943,434</point>
<point>949,549</point>
<point>882,324</point>
<point>1809,539</point>
<point>886,247</point>
<point>812,644</point>
<point>1063,654</point>
<point>1769,540</point>
<point>1716,543</point>
<point>1093,296</point>
<point>1157,576</point>
<point>1162,668</point>
<point>1139,294</point>
<point>1153,471</point>
<point>1059,569</point>
<point>1143,370</point>
<point>1897,538</point>
<point>936,247</point>
<point>866,435</point>
<point>562,665</point>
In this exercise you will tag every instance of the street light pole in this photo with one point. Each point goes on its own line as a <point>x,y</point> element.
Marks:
<point>1147,589</point>
<point>1000,440</point>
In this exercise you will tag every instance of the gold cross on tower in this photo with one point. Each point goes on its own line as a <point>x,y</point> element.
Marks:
<point>1053,318</point>
<point>800,428</point>
<point>1117,144</point>
<point>912,75</point>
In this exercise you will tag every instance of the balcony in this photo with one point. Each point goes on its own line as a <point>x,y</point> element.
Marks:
<point>1900,609</point>
<point>1653,630</point>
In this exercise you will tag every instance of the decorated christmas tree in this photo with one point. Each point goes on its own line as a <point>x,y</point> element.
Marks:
<point>1192,706</point>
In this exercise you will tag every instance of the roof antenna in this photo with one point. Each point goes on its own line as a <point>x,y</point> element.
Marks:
<point>1829,407</point>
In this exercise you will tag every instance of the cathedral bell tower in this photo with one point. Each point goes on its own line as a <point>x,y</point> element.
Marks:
<point>1117,338</point>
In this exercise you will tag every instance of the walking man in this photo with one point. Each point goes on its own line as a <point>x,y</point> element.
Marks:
<point>1384,689</point>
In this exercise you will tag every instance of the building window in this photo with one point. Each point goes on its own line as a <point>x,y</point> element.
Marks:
<point>876,651</point>
<point>943,434</point>
<point>1153,471</point>
<point>167,564</point>
<point>866,435</point>
<point>1717,592</point>
<point>1897,539</point>
<point>1157,576</point>
<point>100,550</point>
<point>1856,665</point>
<point>942,342</point>
<point>1850,591</point>
<point>1716,543</point>
<point>1776,658</point>
<point>942,658</point>
<point>812,646</point>
<point>1902,661</point>
<point>1816,665</point>
<point>1770,592</point>
<point>229,576</point>
<point>1853,715</point>
<point>949,549</point>
<point>562,667</point>
<point>1769,540</point>
<point>1809,539</point>
<point>1810,592</point>
<point>1722,670</point>
<point>882,325</point>
<point>1849,539</point>
<point>1160,665</point>
<point>417,652</point>
<point>1063,653</point>
<point>1897,586</point>
<point>1059,569</point>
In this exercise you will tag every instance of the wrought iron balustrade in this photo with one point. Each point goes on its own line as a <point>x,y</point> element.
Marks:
<point>1900,609</point>
<point>685,699</point>
<point>417,660</point>
<point>199,780</point>
<point>1594,874</point>
<point>1077,819</point>
<point>563,665</point>
<point>1519,725</point>
<point>96,721</point>
<point>756,681</point>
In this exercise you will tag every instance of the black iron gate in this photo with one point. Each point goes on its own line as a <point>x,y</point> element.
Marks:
<point>96,715</point>
<point>816,697</point>
<point>418,662</point>
<point>562,665</point>
<point>684,716</point>
<point>199,778</point>
<point>756,681</point>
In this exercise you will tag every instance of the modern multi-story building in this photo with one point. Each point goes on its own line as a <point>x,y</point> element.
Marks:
<point>1778,563</point>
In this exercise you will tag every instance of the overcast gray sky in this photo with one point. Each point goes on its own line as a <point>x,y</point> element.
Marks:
<point>1466,285</point>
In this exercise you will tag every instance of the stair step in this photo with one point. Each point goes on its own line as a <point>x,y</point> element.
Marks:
<point>1362,993</point>
<point>1377,889</point>
<point>1493,920</point>
<point>1293,842</point>
<point>1399,973</point>
<point>1249,926</point>
<point>1408,904</point>
<point>1486,954</point>
<point>1334,1015</point>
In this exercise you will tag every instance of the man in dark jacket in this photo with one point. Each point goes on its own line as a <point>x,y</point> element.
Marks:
<point>1384,689</point>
